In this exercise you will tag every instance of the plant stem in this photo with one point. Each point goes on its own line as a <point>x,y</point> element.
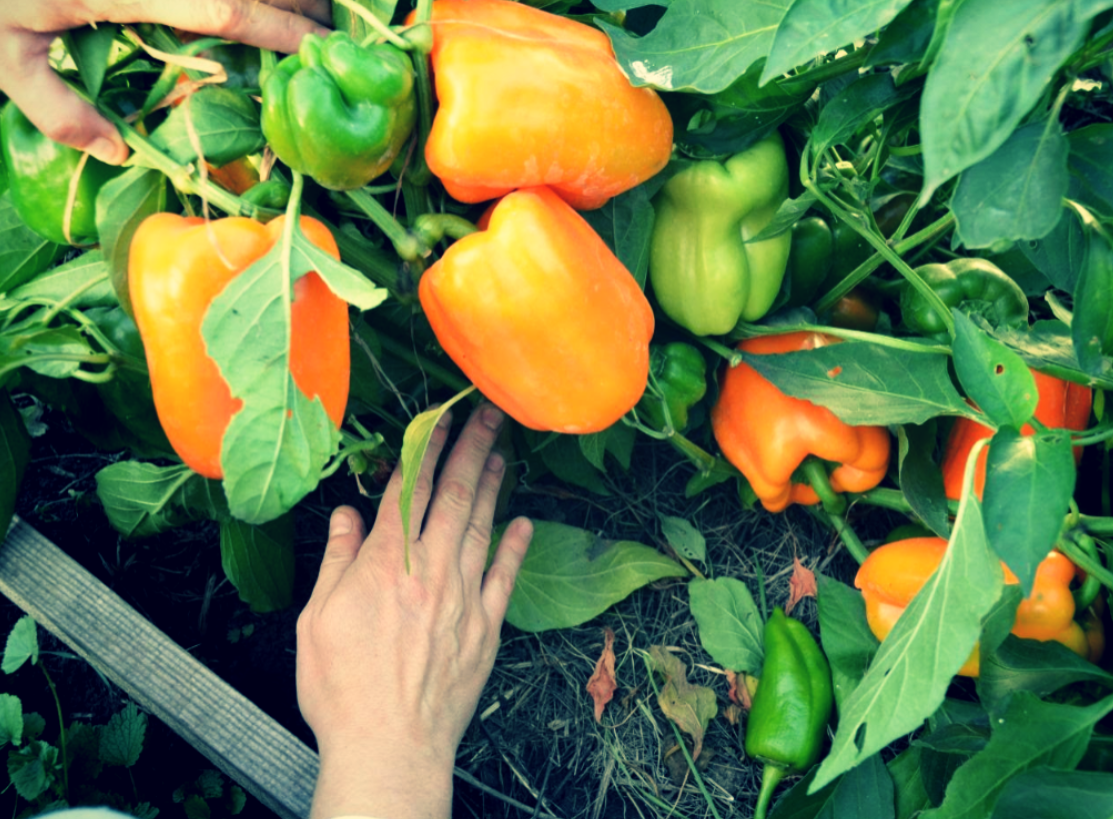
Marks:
<point>1091,565</point>
<point>442,374</point>
<point>406,245</point>
<point>374,22</point>
<point>820,482</point>
<point>61,734</point>
<point>827,71</point>
<point>771,776</point>
<point>849,537</point>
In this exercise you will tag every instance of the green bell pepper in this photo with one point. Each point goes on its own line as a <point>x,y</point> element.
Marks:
<point>705,276</point>
<point>959,281</point>
<point>679,372</point>
<point>791,707</point>
<point>39,175</point>
<point>338,111</point>
<point>809,260</point>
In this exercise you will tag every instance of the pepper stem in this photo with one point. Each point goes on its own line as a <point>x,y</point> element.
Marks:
<point>816,473</point>
<point>771,777</point>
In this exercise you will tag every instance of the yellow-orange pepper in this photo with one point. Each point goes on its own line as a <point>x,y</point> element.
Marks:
<point>542,317</point>
<point>895,572</point>
<point>767,434</point>
<point>530,98</point>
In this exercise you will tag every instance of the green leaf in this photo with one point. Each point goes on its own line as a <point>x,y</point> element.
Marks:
<point>1030,734</point>
<point>122,204</point>
<point>730,626</point>
<point>23,253</point>
<point>684,537</point>
<point>1040,668</point>
<point>22,645</point>
<point>259,561</point>
<point>859,104</point>
<point>1091,166</point>
<point>415,442</point>
<point>565,457</point>
<point>1060,254</point>
<point>847,640</point>
<point>225,126</point>
<point>121,741</point>
<point>33,725</point>
<point>47,352</point>
<point>921,482</point>
<point>277,444</point>
<point>1092,323</point>
<point>864,383</point>
<point>90,49</point>
<point>11,720</point>
<point>570,575</point>
<point>905,40</point>
<point>1052,794</point>
<point>195,807</point>
<point>909,677</point>
<point>15,452</point>
<point>1047,344</point>
<point>788,214</point>
<point>864,793</point>
<point>699,45</point>
<point>85,280</point>
<point>720,472</point>
<point>618,439</point>
<point>908,782</point>
<point>797,803</point>
<point>814,27</point>
<point>344,19</point>
<point>1028,488</point>
<point>33,769</point>
<point>993,376</point>
<point>1016,192</point>
<point>143,499</point>
<point>991,70</point>
<point>626,224</point>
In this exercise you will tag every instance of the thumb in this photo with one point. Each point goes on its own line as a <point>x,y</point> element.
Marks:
<point>346,535</point>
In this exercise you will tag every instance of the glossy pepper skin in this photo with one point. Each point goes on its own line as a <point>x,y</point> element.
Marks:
<point>176,267</point>
<point>338,111</point>
<point>959,281</point>
<point>681,375</point>
<point>767,434</point>
<point>1062,405</point>
<point>39,174</point>
<point>542,317</point>
<point>809,260</point>
<point>529,98</point>
<point>895,572</point>
<point>792,704</point>
<point>704,275</point>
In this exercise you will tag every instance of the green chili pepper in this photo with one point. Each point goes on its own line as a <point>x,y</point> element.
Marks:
<point>809,260</point>
<point>680,373</point>
<point>791,706</point>
<point>959,281</point>
<point>274,193</point>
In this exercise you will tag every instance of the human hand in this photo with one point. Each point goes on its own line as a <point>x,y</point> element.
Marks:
<point>27,28</point>
<point>390,666</point>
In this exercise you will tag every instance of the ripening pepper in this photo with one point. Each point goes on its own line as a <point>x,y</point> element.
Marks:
<point>541,316</point>
<point>704,274</point>
<point>1062,405</point>
<point>176,267</point>
<point>338,111</point>
<point>893,574</point>
<point>681,375</point>
<point>964,280</point>
<point>767,434</point>
<point>528,98</point>
<point>39,175</point>
<point>791,706</point>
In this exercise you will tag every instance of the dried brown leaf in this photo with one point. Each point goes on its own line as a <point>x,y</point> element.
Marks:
<point>602,684</point>
<point>801,584</point>
<point>691,707</point>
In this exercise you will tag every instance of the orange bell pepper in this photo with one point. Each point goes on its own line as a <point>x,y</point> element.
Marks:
<point>176,267</point>
<point>542,317</point>
<point>530,98</point>
<point>1062,405</point>
<point>893,574</point>
<point>767,434</point>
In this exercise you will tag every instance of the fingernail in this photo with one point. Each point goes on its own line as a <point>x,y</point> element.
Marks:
<point>492,417</point>
<point>340,524</point>
<point>106,151</point>
<point>445,420</point>
<point>321,31</point>
<point>495,462</point>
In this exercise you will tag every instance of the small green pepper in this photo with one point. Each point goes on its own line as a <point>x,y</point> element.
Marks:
<point>791,706</point>
<point>809,260</point>
<point>680,373</point>
<point>338,111</point>
<point>964,280</point>
<point>274,193</point>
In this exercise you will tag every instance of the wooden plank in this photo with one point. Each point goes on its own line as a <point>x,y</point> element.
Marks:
<point>240,739</point>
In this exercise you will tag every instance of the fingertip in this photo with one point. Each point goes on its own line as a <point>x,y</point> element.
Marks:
<point>344,521</point>
<point>109,151</point>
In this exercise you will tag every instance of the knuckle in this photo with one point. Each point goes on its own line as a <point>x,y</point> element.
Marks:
<point>226,16</point>
<point>478,532</point>
<point>457,494</point>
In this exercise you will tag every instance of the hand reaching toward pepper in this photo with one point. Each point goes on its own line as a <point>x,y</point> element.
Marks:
<point>391,665</point>
<point>27,28</point>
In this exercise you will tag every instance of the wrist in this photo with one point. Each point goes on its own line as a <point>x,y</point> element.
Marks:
<point>382,779</point>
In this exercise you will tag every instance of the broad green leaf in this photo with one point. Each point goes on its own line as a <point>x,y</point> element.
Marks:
<point>909,677</point>
<point>1040,668</point>
<point>259,561</point>
<point>121,741</point>
<point>122,204</point>
<point>691,707</point>
<point>920,478</point>
<point>1031,733</point>
<point>730,626</point>
<point>788,214</point>
<point>1060,254</point>
<point>625,223</point>
<point>617,439</point>
<point>905,40</point>
<point>699,45</point>
<point>565,457</point>
<point>864,383</point>
<point>859,104</point>
<point>11,720</point>
<point>225,126</point>
<point>908,783</point>
<point>90,49</point>
<point>1052,794</point>
<point>993,376</point>
<point>864,793</point>
<point>1092,322</point>
<point>83,751</point>
<point>991,70</point>
<point>33,769</point>
<point>54,352</point>
<point>1091,166</point>
<point>1016,192</point>
<point>22,645</point>
<point>684,537</point>
<point>1047,345</point>
<point>720,472</point>
<point>797,803</point>
<point>996,627</point>
<point>1028,487</point>
<point>15,452</point>
<point>570,575</point>
<point>814,27</point>
<point>344,19</point>
<point>143,499</point>
<point>33,725</point>
<point>195,807</point>
<point>23,253</point>
<point>85,280</point>
<point>415,442</point>
<point>847,640</point>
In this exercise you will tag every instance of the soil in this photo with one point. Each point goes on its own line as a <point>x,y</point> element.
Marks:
<point>534,732</point>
